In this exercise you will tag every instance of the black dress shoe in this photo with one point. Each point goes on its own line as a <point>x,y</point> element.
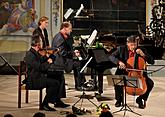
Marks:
<point>61,104</point>
<point>47,108</point>
<point>117,104</point>
<point>140,103</point>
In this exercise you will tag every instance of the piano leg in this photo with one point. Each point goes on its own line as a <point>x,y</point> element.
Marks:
<point>97,81</point>
<point>100,82</point>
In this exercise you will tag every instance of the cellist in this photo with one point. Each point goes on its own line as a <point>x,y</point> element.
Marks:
<point>120,57</point>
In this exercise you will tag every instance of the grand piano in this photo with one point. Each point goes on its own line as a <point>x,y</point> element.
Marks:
<point>98,65</point>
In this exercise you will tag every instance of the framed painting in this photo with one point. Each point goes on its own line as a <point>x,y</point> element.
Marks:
<point>18,17</point>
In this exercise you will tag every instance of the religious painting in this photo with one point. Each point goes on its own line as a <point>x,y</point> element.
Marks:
<point>17,17</point>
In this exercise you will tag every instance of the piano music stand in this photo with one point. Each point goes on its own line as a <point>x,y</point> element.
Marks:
<point>126,82</point>
<point>6,63</point>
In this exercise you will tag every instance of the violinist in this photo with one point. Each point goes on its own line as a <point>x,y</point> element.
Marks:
<point>120,57</point>
<point>37,77</point>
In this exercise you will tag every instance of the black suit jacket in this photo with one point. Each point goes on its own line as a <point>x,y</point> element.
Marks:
<point>122,54</point>
<point>45,40</point>
<point>37,69</point>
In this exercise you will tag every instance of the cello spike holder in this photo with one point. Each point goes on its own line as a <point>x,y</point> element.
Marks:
<point>125,107</point>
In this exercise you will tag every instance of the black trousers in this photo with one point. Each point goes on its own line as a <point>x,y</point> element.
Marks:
<point>79,78</point>
<point>52,91</point>
<point>59,76</point>
<point>119,93</point>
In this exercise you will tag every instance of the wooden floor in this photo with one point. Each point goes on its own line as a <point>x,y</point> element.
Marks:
<point>8,100</point>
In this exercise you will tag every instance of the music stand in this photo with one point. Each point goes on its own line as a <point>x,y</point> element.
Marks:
<point>6,63</point>
<point>84,96</point>
<point>86,64</point>
<point>125,81</point>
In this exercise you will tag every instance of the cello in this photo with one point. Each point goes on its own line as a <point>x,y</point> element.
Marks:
<point>135,68</point>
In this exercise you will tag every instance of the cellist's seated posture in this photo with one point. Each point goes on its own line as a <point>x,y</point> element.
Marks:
<point>120,57</point>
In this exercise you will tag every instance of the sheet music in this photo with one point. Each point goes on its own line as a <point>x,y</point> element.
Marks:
<point>79,10</point>
<point>92,38</point>
<point>86,64</point>
<point>68,13</point>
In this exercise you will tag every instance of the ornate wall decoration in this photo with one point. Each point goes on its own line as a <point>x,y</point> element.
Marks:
<point>55,10</point>
<point>56,15</point>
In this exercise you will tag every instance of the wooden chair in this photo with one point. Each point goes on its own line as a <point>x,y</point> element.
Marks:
<point>22,71</point>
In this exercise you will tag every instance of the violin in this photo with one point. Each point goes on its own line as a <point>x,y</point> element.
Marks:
<point>48,51</point>
<point>135,66</point>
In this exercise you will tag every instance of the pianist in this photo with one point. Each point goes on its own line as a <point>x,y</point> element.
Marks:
<point>64,41</point>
